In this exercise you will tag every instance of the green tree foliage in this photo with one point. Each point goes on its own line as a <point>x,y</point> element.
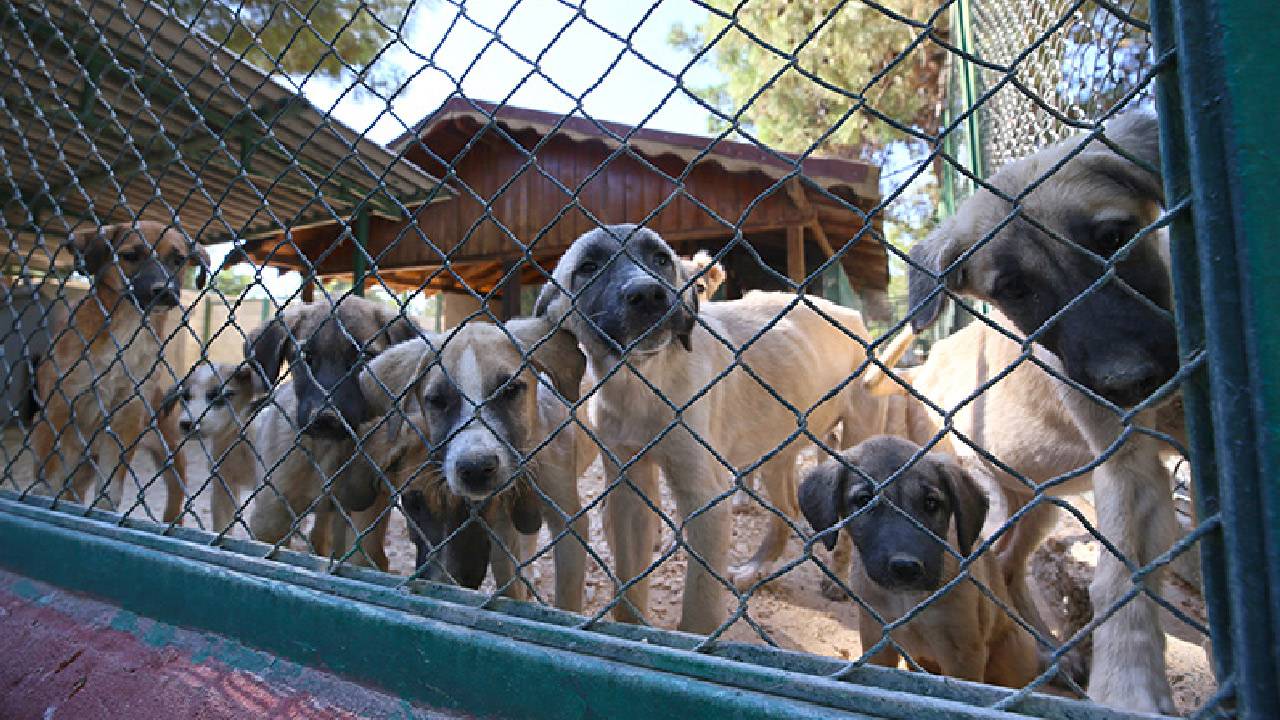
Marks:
<point>330,38</point>
<point>857,54</point>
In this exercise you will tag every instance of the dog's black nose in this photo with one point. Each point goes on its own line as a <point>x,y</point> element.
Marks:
<point>646,295</point>
<point>325,423</point>
<point>905,568</point>
<point>164,294</point>
<point>1127,383</point>
<point>476,472</point>
<point>185,426</point>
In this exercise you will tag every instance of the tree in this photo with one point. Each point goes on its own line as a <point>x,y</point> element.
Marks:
<point>854,55</point>
<point>330,38</point>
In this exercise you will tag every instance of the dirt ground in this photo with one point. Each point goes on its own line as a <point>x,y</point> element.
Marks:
<point>790,611</point>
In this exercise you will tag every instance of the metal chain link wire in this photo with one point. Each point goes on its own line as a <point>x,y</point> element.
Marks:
<point>96,135</point>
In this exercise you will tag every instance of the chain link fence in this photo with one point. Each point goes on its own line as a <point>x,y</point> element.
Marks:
<point>577,423</point>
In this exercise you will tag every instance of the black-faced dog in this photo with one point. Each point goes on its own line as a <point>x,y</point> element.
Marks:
<point>909,534</point>
<point>98,390</point>
<point>1075,266</point>
<point>307,430</point>
<point>622,293</point>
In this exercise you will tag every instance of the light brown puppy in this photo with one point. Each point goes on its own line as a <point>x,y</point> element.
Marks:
<point>213,406</point>
<point>899,567</point>
<point>620,291</point>
<point>99,387</point>
<point>496,419</point>
<point>1063,248</point>
<point>307,430</point>
<point>707,274</point>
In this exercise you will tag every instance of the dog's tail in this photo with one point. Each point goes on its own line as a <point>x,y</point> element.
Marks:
<point>876,380</point>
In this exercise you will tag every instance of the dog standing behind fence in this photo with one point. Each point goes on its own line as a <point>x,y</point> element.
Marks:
<point>98,387</point>
<point>1116,338</point>
<point>214,407</point>
<point>962,633</point>
<point>307,428</point>
<point>620,291</point>
<point>503,439</point>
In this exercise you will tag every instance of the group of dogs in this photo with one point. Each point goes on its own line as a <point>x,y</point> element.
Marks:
<point>343,411</point>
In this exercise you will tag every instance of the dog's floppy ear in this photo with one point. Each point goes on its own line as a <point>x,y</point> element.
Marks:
<point>199,259</point>
<point>929,258</point>
<point>1138,134</point>
<point>170,400</point>
<point>266,347</point>
<point>968,502</point>
<point>546,296</point>
<point>526,508</point>
<point>92,249</point>
<point>390,382</point>
<point>820,499</point>
<point>396,325</point>
<point>552,351</point>
<point>687,309</point>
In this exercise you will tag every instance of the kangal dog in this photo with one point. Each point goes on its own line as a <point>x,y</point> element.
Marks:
<point>99,388</point>
<point>627,299</point>
<point>1117,341</point>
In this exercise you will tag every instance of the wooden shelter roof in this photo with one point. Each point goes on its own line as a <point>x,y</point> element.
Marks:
<point>525,183</point>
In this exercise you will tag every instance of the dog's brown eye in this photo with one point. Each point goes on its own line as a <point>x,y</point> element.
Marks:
<point>514,388</point>
<point>1109,236</point>
<point>932,504</point>
<point>661,259</point>
<point>131,256</point>
<point>437,400</point>
<point>587,268</point>
<point>861,498</point>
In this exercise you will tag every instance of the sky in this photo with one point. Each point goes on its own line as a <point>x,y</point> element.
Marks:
<point>544,55</point>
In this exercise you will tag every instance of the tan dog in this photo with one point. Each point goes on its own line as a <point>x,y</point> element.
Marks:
<point>707,274</point>
<point>1117,340</point>
<point>961,633</point>
<point>638,304</point>
<point>493,416</point>
<point>214,405</point>
<point>99,388</point>
<point>307,430</point>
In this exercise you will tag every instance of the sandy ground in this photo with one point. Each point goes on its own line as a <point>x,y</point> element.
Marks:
<point>790,611</point>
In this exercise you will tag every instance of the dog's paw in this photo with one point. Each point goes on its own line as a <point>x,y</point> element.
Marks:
<point>832,590</point>
<point>744,576</point>
<point>1131,692</point>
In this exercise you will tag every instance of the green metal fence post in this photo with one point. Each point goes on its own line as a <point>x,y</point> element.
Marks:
<point>1223,110</point>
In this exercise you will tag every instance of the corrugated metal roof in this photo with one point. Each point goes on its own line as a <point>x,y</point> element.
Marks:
<point>114,110</point>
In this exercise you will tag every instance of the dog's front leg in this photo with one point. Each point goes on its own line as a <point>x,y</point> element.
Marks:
<point>697,480</point>
<point>505,557</point>
<point>1135,512</point>
<point>631,528</point>
<point>127,425</point>
<point>561,485</point>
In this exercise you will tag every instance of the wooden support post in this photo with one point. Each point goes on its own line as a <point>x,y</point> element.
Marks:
<point>795,253</point>
<point>511,288</point>
<point>309,289</point>
<point>359,265</point>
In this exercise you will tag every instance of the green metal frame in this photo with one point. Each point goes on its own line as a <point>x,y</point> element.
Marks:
<point>438,646</point>
<point>1220,109</point>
